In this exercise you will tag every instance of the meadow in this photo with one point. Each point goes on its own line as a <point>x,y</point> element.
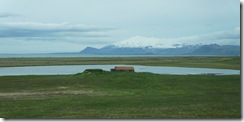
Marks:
<point>120,95</point>
<point>223,62</point>
<point>123,95</point>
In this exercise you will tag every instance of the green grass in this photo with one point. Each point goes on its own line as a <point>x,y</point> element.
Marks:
<point>120,95</point>
<point>223,62</point>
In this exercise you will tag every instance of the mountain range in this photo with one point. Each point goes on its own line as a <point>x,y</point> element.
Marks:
<point>153,46</point>
<point>210,49</point>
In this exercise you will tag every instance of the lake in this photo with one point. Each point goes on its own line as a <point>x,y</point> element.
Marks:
<point>73,69</point>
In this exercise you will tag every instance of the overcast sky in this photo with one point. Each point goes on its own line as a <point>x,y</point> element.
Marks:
<point>40,26</point>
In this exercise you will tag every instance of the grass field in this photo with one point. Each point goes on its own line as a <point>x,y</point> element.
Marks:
<point>124,95</point>
<point>226,62</point>
<point>120,95</point>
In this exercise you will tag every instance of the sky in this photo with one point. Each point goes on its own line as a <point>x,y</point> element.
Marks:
<point>50,26</point>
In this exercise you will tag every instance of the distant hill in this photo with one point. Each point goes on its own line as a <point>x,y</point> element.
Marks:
<point>214,49</point>
<point>211,49</point>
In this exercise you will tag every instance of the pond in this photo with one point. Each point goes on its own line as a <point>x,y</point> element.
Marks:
<point>73,69</point>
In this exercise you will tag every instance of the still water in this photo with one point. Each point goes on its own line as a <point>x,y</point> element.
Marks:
<point>73,69</point>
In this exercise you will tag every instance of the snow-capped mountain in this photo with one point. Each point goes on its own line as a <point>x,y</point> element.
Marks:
<point>141,42</point>
<point>150,42</point>
<point>152,46</point>
<point>212,49</point>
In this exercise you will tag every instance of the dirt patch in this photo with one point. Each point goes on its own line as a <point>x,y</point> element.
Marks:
<point>48,94</point>
<point>62,87</point>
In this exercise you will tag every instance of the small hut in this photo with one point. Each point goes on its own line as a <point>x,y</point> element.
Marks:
<point>122,69</point>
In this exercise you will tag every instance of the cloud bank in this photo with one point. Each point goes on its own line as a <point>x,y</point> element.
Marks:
<point>226,37</point>
<point>33,29</point>
<point>4,15</point>
<point>23,37</point>
<point>229,37</point>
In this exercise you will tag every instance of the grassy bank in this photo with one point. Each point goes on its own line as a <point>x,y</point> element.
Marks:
<point>227,62</point>
<point>120,95</point>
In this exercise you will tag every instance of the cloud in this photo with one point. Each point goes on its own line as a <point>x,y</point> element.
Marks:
<point>11,45</point>
<point>227,37</point>
<point>33,29</point>
<point>51,37</point>
<point>4,15</point>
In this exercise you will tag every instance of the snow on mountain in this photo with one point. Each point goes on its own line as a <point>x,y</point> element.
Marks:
<point>142,42</point>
